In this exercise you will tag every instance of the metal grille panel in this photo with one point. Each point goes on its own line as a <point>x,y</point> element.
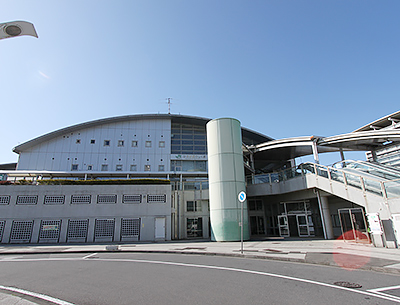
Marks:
<point>77,228</point>
<point>156,198</point>
<point>54,199</point>
<point>5,199</point>
<point>50,229</point>
<point>104,228</point>
<point>21,231</point>
<point>130,227</point>
<point>2,225</point>
<point>106,198</point>
<point>132,199</point>
<point>27,199</point>
<point>81,199</point>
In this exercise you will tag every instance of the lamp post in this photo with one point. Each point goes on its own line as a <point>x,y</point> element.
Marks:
<point>17,28</point>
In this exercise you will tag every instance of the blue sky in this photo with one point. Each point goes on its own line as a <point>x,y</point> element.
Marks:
<point>283,68</point>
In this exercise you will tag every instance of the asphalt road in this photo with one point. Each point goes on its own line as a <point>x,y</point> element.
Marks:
<point>131,278</point>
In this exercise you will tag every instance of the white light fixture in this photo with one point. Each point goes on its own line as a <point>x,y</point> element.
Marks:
<point>17,28</point>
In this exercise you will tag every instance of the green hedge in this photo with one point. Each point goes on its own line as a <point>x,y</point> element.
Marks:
<point>103,182</point>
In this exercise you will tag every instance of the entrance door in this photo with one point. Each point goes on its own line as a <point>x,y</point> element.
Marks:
<point>353,224</point>
<point>302,225</point>
<point>283,225</point>
<point>160,228</point>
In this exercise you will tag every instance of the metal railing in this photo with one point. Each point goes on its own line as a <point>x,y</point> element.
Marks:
<point>386,189</point>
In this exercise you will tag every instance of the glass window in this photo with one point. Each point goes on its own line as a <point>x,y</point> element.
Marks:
<point>78,141</point>
<point>92,141</point>
<point>133,167</point>
<point>193,206</point>
<point>134,143</point>
<point>148,144</point>
<point>194,227</point>
<point>118,167</point>
<point>120,143</point>
<point>74,167</point>
<point>161,168</point>
<point>90,167</point>
<point>161,144</point>
<point>147,168</point>
<point>106,142</point>
<point>104,167</point>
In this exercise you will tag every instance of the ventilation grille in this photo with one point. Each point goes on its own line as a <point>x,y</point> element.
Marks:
<point>104,228</point>
<point>132,199</point>
<point>130,227</point>
<point>21,231</point>
<point>156,198</point>
<point>27,199</point>
<point>2,225</point>
<point>54,199</point>
<point>77,228</point>
<point>50,229</point>
<point>4,199</point>
<point>106,198</point>
<point>81,199</point>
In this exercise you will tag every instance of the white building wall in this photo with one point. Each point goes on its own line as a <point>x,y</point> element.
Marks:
<point>59,154</point>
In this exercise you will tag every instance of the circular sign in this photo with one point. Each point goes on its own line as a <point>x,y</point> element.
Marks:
<point>13,30</point>
<point>242,196</point>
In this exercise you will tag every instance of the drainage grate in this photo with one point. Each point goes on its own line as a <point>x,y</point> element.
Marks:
<point>77,229</point>
<point>2,225</point>
<point>104,228</point>
<point>21,231</point>
<point>132,199</point>
<point>54,199</point>
<point>347,284</point>
<point>130,227</point>
<point>5,199</point>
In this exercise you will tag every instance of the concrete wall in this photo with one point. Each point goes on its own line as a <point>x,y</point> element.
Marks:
<point>38,203</point>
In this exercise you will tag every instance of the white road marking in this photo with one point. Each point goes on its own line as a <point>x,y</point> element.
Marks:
<point>88,256</point>
<point>379,291</point>
<point>36,295</point>
<point>372,292</point>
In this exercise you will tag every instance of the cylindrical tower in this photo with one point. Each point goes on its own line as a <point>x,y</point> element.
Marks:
<point>226,179</point>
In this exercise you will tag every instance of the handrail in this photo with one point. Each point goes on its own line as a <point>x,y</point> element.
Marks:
<point>387,189</point>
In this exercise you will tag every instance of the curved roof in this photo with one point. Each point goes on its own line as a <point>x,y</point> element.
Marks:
<point>285,149</point>
<point>175,118</point>
<point>384,122</point>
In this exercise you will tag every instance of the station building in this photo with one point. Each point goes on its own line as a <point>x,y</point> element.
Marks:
<point>164,176</point>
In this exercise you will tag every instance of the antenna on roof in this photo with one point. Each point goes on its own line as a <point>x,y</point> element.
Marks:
<point>169,104</point>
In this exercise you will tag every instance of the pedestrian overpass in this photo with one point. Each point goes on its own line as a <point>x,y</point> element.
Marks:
<point>371,186</point>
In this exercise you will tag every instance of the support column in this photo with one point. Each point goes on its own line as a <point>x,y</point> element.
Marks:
<point>315,151</point>
<point>325,216</point>
<point>226,180</point>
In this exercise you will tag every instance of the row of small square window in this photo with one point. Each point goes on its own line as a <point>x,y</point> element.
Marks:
<point>81,199</point>
<point>121,143</point>
<point>119,167</point>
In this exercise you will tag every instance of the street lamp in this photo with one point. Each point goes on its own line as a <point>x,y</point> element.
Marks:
<point>17,28</point>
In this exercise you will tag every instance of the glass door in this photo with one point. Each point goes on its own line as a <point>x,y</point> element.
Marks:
<point>302,225</point>
<point>283,225</point>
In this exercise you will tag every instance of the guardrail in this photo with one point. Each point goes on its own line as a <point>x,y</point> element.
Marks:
<point>386,189</point>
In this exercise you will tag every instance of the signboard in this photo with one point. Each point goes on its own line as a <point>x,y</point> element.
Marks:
<point>242,196</point>
<point>374,223</point>
<point>50,228</point>
<point>188,157</point>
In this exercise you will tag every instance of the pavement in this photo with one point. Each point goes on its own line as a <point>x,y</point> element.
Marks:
<point>344,254</point>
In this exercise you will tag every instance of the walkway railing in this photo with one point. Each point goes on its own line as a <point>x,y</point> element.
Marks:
<point>387,189</point>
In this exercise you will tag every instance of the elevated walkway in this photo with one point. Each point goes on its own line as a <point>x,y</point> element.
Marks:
<point>365,184</point>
